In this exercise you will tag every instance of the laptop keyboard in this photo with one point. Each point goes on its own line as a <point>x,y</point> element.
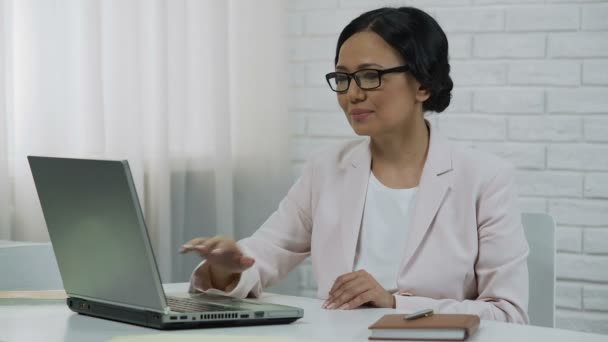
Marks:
<point>180,304</point>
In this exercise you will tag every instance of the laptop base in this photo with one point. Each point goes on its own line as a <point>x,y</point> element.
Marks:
<point>151,319</point>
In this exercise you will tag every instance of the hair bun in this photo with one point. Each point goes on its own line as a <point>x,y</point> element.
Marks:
<point>441,94</point>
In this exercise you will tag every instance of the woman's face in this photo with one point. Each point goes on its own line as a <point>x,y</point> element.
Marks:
<point>393,106</point>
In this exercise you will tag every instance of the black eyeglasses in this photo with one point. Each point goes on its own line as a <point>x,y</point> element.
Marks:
<point>366,79</point>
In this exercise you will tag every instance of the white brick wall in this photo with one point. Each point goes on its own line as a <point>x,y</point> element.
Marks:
<point>596,241</point>
<point>508,101</point>
<point>595,72</point>
<point>542,18</point>
<point>473,127</point>
<point>592,213</point>
<point>542,183</point>
<point>569,239</point>
<point>541,128</point>
<point>594,17</point>
<point>524,156</point>
<point>596,185</point>
<point>590,157</point>
<point>509,45</point>
<point>531,85</point>
<point>595,297</point>
<point>582,267</point>
<point>476,19</point>
<point>548,73</point>
<point>578,100</point>
<point>595,129</point>
<point>578,44</point>
<point>479,73</point>
<point>569,296</point>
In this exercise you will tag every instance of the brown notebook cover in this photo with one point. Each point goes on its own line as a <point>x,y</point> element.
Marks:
<point>435,327</point>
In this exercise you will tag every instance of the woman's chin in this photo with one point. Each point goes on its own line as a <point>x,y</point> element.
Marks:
<point>361,130</point>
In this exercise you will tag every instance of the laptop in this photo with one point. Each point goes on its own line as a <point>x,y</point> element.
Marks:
<point>105,258</point>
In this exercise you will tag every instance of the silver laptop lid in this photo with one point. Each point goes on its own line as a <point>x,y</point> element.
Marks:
<point>98,231</point>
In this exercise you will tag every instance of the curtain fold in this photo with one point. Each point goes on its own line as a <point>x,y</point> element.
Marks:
<point>178,88</point>
<point>6,202</point>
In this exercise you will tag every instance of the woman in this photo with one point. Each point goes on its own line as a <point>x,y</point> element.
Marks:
<point>402,219</point>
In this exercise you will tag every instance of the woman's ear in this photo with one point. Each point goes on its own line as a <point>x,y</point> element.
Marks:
<point>422,94</point>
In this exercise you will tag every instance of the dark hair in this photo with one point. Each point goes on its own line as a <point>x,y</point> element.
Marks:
<point>420,41</point>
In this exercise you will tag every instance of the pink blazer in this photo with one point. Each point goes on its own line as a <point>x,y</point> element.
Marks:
<point>465,251</point>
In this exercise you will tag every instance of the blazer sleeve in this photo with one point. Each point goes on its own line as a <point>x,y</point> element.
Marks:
<point>279,245</point>
<point>501,267</point>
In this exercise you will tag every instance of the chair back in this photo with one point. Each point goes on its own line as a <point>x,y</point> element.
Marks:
<point>540,233</point>
<point>28,266</point>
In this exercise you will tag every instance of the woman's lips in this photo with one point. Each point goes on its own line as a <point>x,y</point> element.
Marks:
<point>360,114</point>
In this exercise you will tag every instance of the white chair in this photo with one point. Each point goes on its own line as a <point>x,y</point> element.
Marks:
<point>540,233</point>
<point>28,266</point>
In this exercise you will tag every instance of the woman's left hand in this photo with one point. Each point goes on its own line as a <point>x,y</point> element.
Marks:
<point>351,290</point>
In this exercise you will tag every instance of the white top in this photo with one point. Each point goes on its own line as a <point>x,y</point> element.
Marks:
<point>386,217</point>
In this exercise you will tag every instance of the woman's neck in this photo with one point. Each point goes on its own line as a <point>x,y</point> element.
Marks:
<point>398,158</point>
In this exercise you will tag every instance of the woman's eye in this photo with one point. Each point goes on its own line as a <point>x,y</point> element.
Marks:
<point>341,78</point>
<point>368,75</point>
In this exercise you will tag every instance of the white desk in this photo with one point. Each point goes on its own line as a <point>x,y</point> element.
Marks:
<point>58,323</point>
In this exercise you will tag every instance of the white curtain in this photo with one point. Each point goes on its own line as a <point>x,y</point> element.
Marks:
<point>190,92</point>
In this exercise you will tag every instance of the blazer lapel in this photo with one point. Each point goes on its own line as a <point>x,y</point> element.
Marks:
<point>356,167</point>
<point>435,182</point>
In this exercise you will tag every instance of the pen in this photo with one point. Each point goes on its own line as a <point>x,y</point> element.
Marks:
<point>418,314</point>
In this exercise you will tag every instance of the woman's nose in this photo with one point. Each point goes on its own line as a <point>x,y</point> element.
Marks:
<point>354,92</point>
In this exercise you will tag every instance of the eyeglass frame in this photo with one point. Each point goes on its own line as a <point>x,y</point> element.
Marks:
<point>352,75</point>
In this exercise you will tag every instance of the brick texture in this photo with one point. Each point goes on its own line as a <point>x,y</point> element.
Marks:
<point>569,239</point>
<point>596,185</point>
<point>569,296</point>
<point>596,241</point>
<point>542,18</point>
<point>509,101</point>
<point>595,128</point>
<point>578,44</point>
<point>542,128</point>
<point>595,297</point>
<point>549,73</point>
<point>530,85</point>
<point>516,45</point>
<point>595,72</point>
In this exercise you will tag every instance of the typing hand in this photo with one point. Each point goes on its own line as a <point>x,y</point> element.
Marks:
<point>351,290</point>
<point>220,252</point>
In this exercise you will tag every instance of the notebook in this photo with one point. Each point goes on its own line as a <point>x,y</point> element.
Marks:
<point>436,327</point>
<point>105,257</point>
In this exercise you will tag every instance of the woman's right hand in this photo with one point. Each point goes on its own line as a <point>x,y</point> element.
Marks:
<point>225,261</point>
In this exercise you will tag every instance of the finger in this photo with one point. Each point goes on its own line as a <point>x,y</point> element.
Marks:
<point>341,280</point>
<point>225,256</point>
<point>348,283</point>
<point>197,241</point>
<point>202,245</point>
<point>246,262</point>
<point>210,246</point>
<point>210,243</point>
<point>349,291</point>
<point>229,257</point>
<point>358,300</point>
<point>191,245</point>
<point>223,245</point>
<point>348,287</point>
<point>230,264</point>
<point>226,248</point>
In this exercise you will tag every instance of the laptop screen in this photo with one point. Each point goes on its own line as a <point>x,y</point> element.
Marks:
<point>97,230</point>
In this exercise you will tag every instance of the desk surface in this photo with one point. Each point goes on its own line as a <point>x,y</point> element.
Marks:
<point>55,322</point>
